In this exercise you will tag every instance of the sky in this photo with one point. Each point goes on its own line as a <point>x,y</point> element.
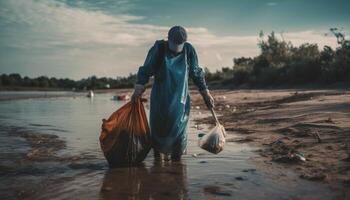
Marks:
<point>80,38</point>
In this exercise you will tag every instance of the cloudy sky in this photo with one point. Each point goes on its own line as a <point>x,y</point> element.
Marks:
<point>80,38</point>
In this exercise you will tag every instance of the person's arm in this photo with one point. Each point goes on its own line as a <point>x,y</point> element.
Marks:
<point>146,71</point>
<point>197,74</point>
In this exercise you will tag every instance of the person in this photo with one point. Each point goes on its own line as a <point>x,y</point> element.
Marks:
<point>171,63</point>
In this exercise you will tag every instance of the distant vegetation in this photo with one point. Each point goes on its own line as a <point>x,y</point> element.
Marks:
<point>16,81</point>
<point>279,63</point>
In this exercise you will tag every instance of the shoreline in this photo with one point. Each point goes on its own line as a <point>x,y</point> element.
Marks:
<point>282,124</point>
<point>21,95</point>
<point>275,122</point>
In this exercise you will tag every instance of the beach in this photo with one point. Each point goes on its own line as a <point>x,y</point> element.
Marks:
<point>50,149</point>
<point>314,124</point>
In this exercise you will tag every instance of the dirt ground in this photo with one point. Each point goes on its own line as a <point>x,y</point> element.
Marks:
<point>306,131</point>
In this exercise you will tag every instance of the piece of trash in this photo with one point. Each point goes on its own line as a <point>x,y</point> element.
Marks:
<point>221,97</point>
<point>227,106</point>
<point>200,135</point>
<point>300,156</point>
<point>214,141</point>
<point>125,136</point>
<point>234,109</point>
<point>121,97</point>
<point>329,120</point>
<point>90,94</point>
<point>198,107</point>
<point>290,157</point>
<point>195,155</point>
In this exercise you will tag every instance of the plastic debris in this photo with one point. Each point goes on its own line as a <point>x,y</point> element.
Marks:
<point>214,141</point>
<point>125,136</point>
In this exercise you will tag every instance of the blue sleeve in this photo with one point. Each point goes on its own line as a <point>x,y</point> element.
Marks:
<point>196,73</point>
<point>147,70</point>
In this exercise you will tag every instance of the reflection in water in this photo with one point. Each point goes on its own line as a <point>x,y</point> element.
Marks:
<point>165,180</point>
<point>229,175</point>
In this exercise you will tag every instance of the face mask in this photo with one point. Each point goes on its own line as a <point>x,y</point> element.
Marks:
<point>177,48</point>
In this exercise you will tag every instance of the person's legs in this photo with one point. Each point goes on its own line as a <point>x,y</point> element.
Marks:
<point>156,154</point>
<point>178,151</point>
<point>160,156</point>
<point>176,157</point>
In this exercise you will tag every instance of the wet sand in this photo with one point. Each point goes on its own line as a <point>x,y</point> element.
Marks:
<point>282,124</point>
<point>36,164</point>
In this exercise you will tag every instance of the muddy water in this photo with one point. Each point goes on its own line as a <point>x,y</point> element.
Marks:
<point>79,171</point>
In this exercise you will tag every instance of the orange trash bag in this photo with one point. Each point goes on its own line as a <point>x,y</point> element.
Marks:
<point>125,137</point>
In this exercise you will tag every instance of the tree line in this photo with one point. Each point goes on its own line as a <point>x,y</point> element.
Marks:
<point>282,63</point>
<point>279,63</point>
<point>93,82</point>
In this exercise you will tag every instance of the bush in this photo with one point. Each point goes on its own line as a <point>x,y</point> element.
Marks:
<point>282,63</point>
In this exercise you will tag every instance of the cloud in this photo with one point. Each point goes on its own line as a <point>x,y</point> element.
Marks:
<point>52,38</point>
<point>271,4</point>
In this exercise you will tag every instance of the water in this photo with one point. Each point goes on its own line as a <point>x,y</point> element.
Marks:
<point>77,120</point>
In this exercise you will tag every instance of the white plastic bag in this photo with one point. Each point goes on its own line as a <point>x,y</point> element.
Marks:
<point>214,141</point>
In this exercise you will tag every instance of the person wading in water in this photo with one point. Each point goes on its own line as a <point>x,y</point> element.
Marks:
<point>172,63</point>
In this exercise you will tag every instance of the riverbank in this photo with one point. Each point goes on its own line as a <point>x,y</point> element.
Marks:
<point>50,151</point>
<point>290,125</point>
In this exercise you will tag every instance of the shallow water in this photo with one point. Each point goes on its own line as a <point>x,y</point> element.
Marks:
<point>77,120</point>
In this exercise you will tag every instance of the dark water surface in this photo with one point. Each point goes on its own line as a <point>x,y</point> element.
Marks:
<point>79,170</point>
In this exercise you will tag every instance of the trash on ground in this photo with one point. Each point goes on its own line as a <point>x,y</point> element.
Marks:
<point>289,158</point>
<point>125,137</point>
<point>234,109</point>
<point>282,152</point>
<point>90,94</point>
<point>121,97</point>
<point>221,97</point>
<point>195,155</point>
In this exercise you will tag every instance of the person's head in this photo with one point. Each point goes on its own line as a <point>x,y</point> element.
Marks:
<point>177,36</point>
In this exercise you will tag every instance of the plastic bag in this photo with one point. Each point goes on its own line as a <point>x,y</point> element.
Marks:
<point>214,141</point>
<point>125,137</point>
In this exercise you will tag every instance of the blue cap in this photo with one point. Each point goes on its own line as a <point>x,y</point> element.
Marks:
<point>177,35</point>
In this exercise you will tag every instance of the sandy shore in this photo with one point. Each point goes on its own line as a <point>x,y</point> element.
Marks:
<point>280,124</point>
<point>289,125</point>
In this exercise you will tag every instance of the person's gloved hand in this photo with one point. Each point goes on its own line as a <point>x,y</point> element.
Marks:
<point>138,91</point>
<point>208,99</point>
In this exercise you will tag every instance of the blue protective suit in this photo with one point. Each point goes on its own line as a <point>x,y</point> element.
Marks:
<point>170,100</point>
